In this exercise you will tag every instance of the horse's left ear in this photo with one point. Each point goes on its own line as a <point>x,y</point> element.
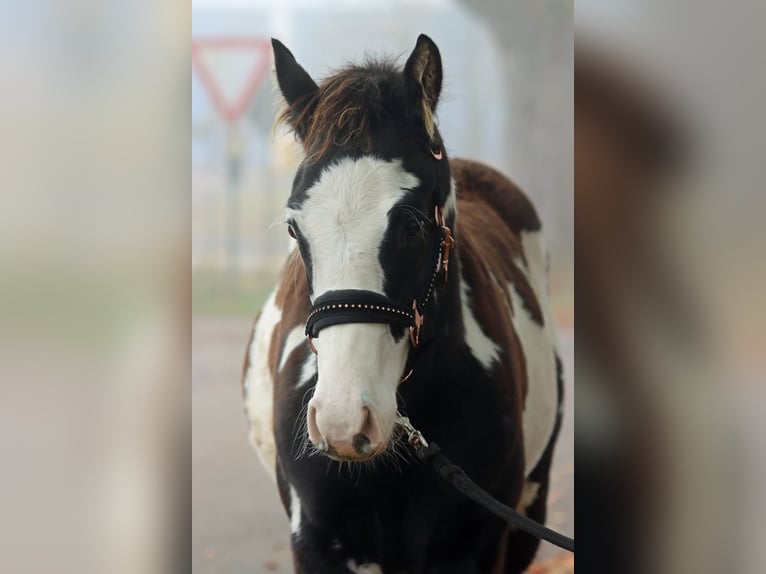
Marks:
<point>296,86</point>
<point>423,78</point>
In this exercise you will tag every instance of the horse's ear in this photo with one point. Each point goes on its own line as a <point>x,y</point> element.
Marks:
<point>296,86</point>
<point>423,77</point>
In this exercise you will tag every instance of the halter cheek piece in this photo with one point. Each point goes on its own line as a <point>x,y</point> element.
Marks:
<point>360,306</point>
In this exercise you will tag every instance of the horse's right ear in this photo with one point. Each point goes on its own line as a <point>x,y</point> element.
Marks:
<point>296,86</point>
<point>423,78</point>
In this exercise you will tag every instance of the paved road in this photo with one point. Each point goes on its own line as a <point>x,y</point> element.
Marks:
<point>238,525</point>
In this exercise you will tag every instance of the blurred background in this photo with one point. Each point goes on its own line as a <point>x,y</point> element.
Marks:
<point>669,240</point>
<point>506,100</point>
<point>99,196</point>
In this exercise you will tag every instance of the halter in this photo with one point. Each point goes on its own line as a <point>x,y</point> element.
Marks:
<point>361,306</point>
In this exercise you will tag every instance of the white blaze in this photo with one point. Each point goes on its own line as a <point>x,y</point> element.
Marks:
<point>344,219</point>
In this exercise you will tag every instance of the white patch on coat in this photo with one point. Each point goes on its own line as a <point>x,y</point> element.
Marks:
<point>482,347</point>
<point>344,219</point>
<point>259,386</point>
<point>295,512</point>
<point>366,568</point>
<point>537,263</point>
<point>308,370</point>
<point>294,338</point>
<point>539,346</point>
<point>528,495</point>
<point>450,204</point>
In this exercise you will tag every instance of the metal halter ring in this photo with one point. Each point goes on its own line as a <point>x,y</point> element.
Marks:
<point>415,329</point>
<point>414,437</point>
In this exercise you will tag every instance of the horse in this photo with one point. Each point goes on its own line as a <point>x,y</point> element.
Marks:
<point>417,286</point>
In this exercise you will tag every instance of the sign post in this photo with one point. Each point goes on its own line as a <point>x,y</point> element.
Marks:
<point>232,69</point>
<point>234,156</point>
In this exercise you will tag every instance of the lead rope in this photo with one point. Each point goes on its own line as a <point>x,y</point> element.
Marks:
<point>455,476</point>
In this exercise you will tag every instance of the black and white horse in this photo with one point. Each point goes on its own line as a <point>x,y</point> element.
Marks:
<point>372,208</point>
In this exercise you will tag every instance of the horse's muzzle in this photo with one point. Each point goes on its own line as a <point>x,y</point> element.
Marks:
<point>355,438</point>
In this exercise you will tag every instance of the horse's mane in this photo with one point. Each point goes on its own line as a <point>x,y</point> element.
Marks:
<point>349,104</point>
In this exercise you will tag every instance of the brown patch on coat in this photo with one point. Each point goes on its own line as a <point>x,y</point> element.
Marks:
<point>504,196</point>
<point>491,218</point>
<point>487,268</point>
<point>275,348</point>
<point>293,285</point>
<point>293,298</point>
<point>492,212</point>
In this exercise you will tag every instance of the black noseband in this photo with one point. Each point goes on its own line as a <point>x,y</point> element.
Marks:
<point>359,306</point>
<point>356,306</point>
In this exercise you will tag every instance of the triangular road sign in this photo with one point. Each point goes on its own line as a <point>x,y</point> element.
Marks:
<point>231,69</point>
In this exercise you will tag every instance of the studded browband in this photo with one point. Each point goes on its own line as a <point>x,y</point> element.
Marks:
<point>360,306</point>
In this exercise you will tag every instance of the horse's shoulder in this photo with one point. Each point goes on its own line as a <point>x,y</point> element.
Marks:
<point>506,264</point>
<point>478,182</point>
<point>276,332</point>
<point>289,306</point>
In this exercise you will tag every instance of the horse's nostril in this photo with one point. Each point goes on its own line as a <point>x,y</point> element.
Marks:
<point>314,434</point>
<point>370,427</point>
<point>362,444</point>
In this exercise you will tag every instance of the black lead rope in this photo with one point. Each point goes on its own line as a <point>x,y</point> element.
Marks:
<point>455,476</point>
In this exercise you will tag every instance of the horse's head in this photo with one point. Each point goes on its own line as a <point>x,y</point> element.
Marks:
<point>362,213</point>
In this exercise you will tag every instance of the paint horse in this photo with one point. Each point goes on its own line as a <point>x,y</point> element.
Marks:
<point>373,210</point>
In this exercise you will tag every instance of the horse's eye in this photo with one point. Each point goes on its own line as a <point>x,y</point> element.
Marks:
<point>291,231</point>
<point>413,227</point>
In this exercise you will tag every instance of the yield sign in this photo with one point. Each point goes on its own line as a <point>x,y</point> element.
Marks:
<point>231,69</point>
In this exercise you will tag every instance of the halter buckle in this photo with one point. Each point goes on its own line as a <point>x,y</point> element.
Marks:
<point>438,216</point>
<point>447,243</point>
<point>414,436</point>
<point>415,329</point>
<point>311,344</point>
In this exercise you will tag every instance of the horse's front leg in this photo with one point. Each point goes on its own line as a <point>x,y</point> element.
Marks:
<point>313,553</point>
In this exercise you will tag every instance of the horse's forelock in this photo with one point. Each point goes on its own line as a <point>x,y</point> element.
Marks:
<point>348,105</point>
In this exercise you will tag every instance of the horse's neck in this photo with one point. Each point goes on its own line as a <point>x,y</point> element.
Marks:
<point>439,363</point>
<point>447,317</point>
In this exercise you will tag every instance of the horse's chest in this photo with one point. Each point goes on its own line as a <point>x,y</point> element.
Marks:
<point>402,517</point>
<point>392,527</point>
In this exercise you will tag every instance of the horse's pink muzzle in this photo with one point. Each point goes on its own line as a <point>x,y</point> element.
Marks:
<point>343,433</point>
